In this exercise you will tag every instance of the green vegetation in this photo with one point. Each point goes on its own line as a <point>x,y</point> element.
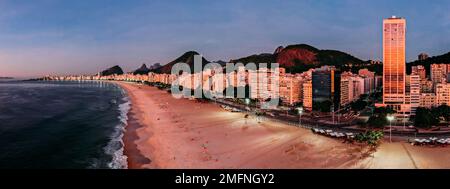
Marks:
<point>299,67</point>
<point>303,46</point>
<point>258,113</point>
<point>378,118</point>
<point>442,112</point>
<point>317,58</point>
<point>425,118</point>
<point>159,85</point>
<point>372,138</point>
<point>324,106</point>
<point>358,105</point>
<point>338,59</point>
<point>376,96</point>
<point>256,58</point>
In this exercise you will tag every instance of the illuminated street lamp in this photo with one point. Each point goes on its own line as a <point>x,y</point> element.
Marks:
<point>247,101</point>
<point>390,118</point>
<point>300,112</point>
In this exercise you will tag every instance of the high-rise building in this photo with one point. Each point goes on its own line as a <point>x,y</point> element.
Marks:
<point>414,92</point>
<point>422,56</point>
<point>419,70</point>
<point>369,80</point>
<point>438,73</point>
<point>290,88</point>
<point>426,86</point>
<point>307,95</point>
<point>346,95</point>
<point>325,85</point>
<point>264,83</point>
<point>427,100</point>
<point>351,86</point>
<point>394,73</point>
<point>378,81</point>
<point>443,94</point>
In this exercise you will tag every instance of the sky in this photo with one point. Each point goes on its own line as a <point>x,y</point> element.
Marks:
<point>40,37</point>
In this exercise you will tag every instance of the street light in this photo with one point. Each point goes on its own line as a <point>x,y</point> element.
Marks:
<point>390,118</point>
<point>300,112</point>
<point>247,101</point>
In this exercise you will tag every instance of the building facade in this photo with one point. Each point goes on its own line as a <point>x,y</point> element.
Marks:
<point>307,95</point>
<point>394,63</point>
<point>420,70</point>
<point>326,86</point>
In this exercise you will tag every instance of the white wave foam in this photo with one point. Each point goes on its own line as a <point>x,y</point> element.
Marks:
<point>116,146</point>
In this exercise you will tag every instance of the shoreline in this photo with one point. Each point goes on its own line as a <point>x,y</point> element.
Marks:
<point>135,159</point>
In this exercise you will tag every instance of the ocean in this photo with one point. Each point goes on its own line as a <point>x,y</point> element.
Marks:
<point>62,125</point>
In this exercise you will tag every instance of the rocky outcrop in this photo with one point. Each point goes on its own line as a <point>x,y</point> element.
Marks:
<point>142,70</point>
<point>111,71</point>
<point>187,58</point>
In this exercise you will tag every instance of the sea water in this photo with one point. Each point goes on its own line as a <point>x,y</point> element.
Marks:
<point>62,124</point>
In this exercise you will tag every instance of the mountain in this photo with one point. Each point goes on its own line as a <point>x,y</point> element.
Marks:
<point>278,50</point>
<point>155,66</point>
<point>301,57</point>
<point>187,58</point>
<point>221,62</point>
<point>293,55</point>
<point>111,71</point>
<point>256,58</point>
<point>441,59</point>
<point>142,70</point>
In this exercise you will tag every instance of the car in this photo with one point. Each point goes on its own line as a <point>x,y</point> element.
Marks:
<point>270,114</point>
<point>235,110</point>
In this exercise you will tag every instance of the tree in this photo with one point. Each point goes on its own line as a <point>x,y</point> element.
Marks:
<point>424,118</point>
<point>358,105</point>
<point>324,106</point>
<point>377,121</point>
<point>384,110</point>
<point>363,96</point>
<point>298,104</point>
<point>378,118</point>
<point>372,138</point>
<point>442,111</point>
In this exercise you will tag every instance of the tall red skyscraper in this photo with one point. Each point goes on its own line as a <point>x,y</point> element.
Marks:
<point>394,73</point>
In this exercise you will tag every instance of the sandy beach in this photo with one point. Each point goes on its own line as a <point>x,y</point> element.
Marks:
<point>164,132</point>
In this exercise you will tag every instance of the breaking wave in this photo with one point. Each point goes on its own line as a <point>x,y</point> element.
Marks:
<point>116,146</point>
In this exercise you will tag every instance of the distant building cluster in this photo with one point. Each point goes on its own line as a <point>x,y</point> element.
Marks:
<point>313,86</point>
<point>433,89</point>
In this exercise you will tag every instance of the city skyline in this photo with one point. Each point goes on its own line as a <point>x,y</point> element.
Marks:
<point>58,38</point>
